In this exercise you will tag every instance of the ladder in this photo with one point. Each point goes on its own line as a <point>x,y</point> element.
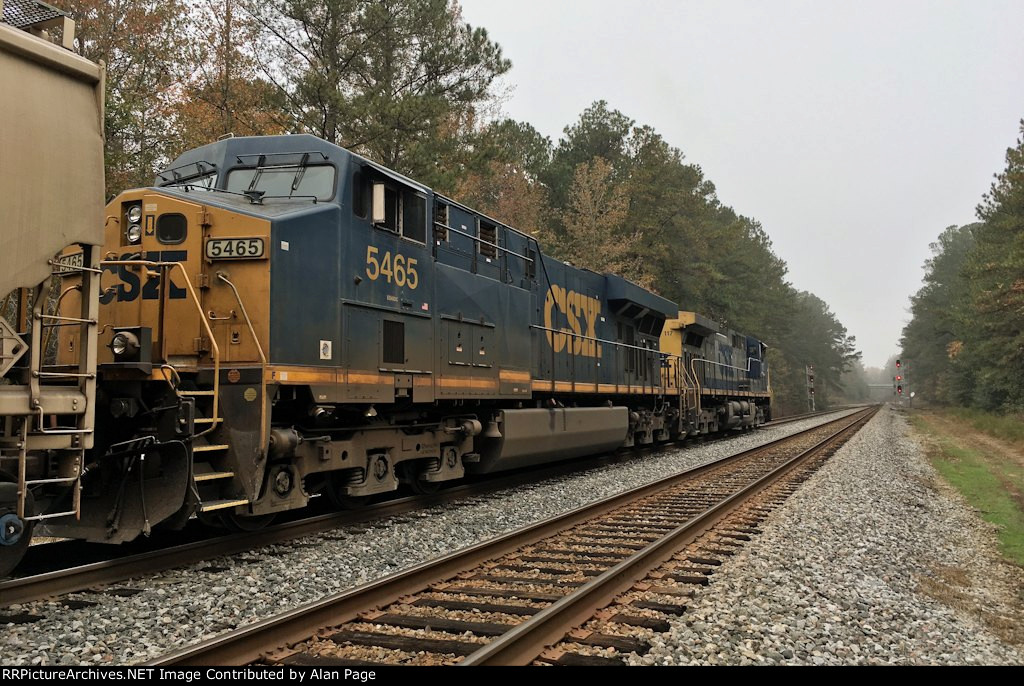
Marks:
<point>67,444</point>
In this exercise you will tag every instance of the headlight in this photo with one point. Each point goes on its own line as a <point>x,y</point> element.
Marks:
<point>134,233</point>
<point>120,344</point>
<point>124,343</point>
<point>135,213</point>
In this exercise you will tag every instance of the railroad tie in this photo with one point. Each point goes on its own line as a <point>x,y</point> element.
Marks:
<point>682,578</point>
<point>623,644</point>
<point>579,660</point>
<point>496,592</point>
<point>408,643</point>
<point>535,581</point>
<point>548,570</point>
<point>304,660</point>
<point>479,606</point>
<point>664,608</point>
<point>456,626</point>
<point>576,553</point>
<point>658,625</point>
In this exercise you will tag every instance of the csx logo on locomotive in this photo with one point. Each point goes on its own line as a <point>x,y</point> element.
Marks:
<point>132,285</point>
<point>576,309</point>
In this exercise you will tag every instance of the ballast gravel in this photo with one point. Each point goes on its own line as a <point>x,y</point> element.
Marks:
<point>184,606</point>
<point>864,564</point>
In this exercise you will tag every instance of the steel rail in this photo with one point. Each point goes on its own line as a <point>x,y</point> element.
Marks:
<point>809,415</point>
<point>524,642</point>
<point>69,580</point>
<point>249,643</point>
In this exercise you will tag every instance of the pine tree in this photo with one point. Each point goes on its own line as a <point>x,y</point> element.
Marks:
<point>994,343</point>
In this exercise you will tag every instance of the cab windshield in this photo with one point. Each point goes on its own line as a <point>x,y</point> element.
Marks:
<point>286,181</point>
<point>200,176</point>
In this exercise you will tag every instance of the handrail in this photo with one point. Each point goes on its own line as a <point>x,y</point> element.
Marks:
<point>214,348</point>
<point>481,240</point>
<point>56,311</point>
<point>696,385</point>
<point>259,348</point>
<point>722,364</point>
<point>605,340</point>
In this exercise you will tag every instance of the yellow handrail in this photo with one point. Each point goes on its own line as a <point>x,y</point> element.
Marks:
<point>214,348</point>
<point>259,348</point>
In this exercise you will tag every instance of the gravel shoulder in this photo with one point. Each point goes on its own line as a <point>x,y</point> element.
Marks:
<point>873,561</point>
<point>184,606</point>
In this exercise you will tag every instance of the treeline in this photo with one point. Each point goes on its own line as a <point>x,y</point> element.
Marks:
<point>408,83</point>
<point>965,342</point>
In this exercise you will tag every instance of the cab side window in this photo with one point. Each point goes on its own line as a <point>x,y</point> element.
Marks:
<point>360,195</point>
<point>397,209</point>
<point>414,219</point>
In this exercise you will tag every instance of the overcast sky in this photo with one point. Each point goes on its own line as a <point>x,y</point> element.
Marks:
<point>855,132</point>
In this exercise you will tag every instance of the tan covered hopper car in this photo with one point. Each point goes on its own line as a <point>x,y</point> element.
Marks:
<point>51,201</point>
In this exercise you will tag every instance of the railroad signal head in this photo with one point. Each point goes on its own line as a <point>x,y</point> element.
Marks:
<point>899,389</point>
<point>899,378</point>
<point>898,364</point>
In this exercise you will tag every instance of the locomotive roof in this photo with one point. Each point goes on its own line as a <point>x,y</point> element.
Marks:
<point>704,325</point>
<point>242,151</point>
<point>232,152</point>
<point>620,288</point>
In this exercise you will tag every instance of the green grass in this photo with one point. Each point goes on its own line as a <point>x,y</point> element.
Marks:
<point>985,480</point>
<point>1008,427</point>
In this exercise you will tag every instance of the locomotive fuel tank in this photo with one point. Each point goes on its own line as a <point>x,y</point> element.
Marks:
<point>534,436</point>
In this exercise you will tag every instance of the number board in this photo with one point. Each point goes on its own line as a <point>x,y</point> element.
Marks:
<point>73,262</point>
<point>235,248</point>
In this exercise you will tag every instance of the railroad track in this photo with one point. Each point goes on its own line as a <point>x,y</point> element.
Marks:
<point>64,580</point>
<point>590,582</point>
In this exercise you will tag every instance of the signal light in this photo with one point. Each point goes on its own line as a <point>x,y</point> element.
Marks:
<point>899,389</point>
<point>898,364</point>
<point>899,378</point>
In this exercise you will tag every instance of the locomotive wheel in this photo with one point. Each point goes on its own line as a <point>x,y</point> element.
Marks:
<point>424,487</point>
<point>246,524</point>
<point>339,499</point>
<point>420,487</point>
<point>409,476</point>
<point>15,535</point>
<point>213,520</point>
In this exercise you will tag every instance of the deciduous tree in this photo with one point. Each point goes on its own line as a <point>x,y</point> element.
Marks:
<point>224,93</point>
<point>144,44</point>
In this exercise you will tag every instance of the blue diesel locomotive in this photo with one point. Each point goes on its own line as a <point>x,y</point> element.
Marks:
<point>281,318</point>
